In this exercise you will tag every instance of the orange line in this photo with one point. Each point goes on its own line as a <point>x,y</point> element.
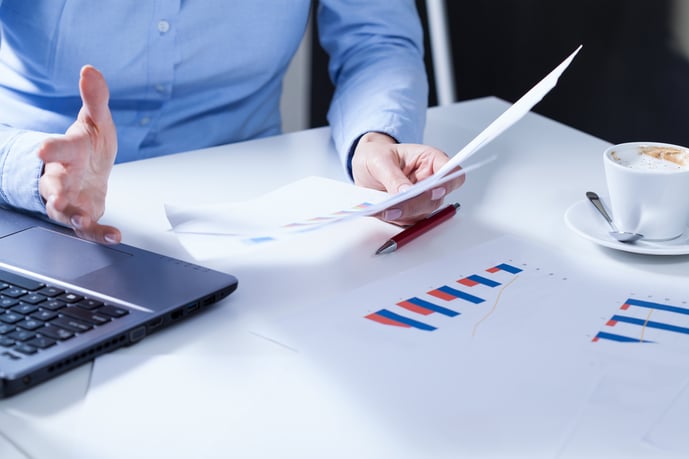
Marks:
<point>643,327</point>
<point>495,305</point>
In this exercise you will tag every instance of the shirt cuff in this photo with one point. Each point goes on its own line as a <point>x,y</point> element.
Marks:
<point>21,170</point>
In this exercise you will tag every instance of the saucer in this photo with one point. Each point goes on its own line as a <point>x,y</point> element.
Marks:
<point>583,219</point>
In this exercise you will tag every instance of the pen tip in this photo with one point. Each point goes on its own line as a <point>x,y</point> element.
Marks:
<point>388,247</point>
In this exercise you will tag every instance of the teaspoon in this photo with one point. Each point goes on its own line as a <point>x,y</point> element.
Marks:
<point>622,236</point>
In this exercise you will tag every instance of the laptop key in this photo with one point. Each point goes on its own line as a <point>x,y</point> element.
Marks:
<point>113,311</point>
<point>25,349</point>
<point>6,301</point>
<point>71,324</point>
<point>41,342</point>
<point>88,303</point>
<point>70,297</point>
<point>33,298</point>
<point>44,315</point>
<point>20,281</point>
<point>55,333</point>
<point>11,317</point>
<point>24,308</point>
<point>14,292</point>
<point>87,316</point>
<point>6,342</point>
<point>21,335</point>
<point>30,324</point>
<point>51,291</point>
<point>53,305</point>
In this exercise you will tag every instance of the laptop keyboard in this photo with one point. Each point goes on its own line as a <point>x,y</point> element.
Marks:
<point>36,316</point>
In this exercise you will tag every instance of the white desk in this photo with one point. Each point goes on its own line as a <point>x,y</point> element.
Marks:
<point>542,168</point>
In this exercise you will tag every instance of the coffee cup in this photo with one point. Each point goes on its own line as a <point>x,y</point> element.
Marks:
<point>648,186</point>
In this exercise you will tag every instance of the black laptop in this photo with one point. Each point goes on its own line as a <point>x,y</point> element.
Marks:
<point>64,300</point>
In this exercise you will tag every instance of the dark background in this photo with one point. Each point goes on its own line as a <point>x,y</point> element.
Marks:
<point>628,82</point>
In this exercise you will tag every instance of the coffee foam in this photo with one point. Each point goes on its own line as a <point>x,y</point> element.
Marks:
<point>652,158</point>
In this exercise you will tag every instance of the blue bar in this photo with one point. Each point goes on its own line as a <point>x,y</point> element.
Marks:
<point>651,324</point>
<point>620,338</point>
<point>461,294</point>
<point>404,320</point>
<point>258,240</point>
<point>432,307</point>
<point>483,280</point>
<point>509,268</point>
<point>660,307</point>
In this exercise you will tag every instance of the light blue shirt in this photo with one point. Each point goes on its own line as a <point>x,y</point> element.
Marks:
<point>188,74</point>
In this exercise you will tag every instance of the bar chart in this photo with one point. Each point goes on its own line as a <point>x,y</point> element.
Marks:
<point>442,300</point>
<point>643,321</point>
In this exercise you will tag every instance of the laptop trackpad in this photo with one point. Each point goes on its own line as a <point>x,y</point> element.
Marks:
<point>56,255</point>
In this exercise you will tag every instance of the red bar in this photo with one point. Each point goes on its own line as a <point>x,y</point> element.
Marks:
<point>611,323</point>
<point>494,269</point>
<point>468,282</point>
<point>625,306</point>
<point>414,308</point>
<point>442,295</point>
<point>385,321</point>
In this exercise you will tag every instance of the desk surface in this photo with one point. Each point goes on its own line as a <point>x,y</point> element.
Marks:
<point>196,401</point>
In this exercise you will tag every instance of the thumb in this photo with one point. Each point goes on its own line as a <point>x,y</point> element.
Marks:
<point>394,180</point>
<point>94,95</point>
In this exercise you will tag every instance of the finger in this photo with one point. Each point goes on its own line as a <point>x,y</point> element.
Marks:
<point>411,210</point>
<point>84,226</point>
<point>94,95</point>
<point>51,190</point>
<point>60,185</point>
<point>103,234</point>
<point>389,174</point>
<point>58,149</point>
<point>60,210</point>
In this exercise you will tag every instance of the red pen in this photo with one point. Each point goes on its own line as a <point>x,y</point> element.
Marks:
<point>417,229</point>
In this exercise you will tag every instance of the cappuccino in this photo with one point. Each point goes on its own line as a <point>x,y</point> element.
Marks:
<point>648,186</point>
<point>651,157</point>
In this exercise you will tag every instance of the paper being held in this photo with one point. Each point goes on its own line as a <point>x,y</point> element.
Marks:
<point>286,211</point>
<point>513,114</point>
<point>510,116</point>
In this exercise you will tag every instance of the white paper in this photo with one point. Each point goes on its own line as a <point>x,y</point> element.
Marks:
<point>285,212</point>
<point>291,213</point>
<point>298,207</point>
<point>669,433</point>
<point>510,116</point>
<point>518,371</point>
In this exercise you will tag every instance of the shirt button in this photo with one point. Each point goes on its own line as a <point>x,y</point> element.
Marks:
<point>163,26</point>
<point>144,121</point>
<point>160,88</point>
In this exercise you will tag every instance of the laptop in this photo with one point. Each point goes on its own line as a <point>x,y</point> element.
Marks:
<point>65,301</point>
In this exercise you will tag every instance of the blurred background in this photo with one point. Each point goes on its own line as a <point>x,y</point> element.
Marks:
<point>630,81</point>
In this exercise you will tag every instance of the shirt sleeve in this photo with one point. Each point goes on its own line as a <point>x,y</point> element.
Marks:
<point>377,67</point>
<point>20,168</point>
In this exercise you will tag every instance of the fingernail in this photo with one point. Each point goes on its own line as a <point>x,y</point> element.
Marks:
<point>76,221</point>
<point>403,188</point>
<point>438,193</point>
<point>392,214</point>
<point>110,238</point>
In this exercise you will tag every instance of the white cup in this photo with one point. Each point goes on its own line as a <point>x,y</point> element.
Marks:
<point>648,185</point>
